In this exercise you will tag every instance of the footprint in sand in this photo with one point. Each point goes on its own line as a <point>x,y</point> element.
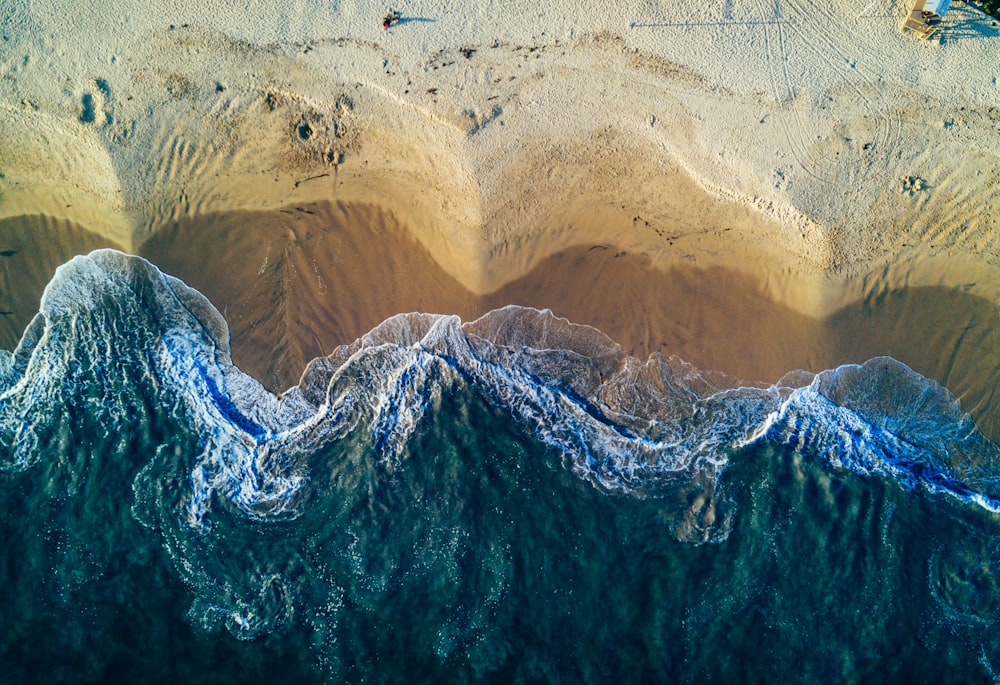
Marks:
<point>94,103</point>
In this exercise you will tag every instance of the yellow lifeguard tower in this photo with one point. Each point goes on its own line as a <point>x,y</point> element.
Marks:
<point>925,17</point>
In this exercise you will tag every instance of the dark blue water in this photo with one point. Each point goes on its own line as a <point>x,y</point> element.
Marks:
<point>506,500</point>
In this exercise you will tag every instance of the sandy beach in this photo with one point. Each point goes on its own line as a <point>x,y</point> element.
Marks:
<point>754,187</point>
<point>786,211</point>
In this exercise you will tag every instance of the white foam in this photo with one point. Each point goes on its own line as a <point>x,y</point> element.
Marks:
<point>659,427</point>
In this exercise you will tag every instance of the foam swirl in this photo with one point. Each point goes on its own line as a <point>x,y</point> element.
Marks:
<point>115,337</point>
<point>653,427</point>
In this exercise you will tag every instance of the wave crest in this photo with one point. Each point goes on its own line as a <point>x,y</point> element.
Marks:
<point>117,344</point>
<point>658,427</point>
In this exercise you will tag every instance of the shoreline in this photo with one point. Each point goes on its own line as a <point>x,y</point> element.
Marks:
<point>297,283</point>
<point>812,172</point>
<point>481,345</point>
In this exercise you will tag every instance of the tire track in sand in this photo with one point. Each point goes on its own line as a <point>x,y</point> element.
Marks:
<point>783,91</point>
<point>812,24</point>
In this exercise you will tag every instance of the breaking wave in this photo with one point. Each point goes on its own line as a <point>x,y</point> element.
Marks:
<point>654,427</point>
<point>123,352</point>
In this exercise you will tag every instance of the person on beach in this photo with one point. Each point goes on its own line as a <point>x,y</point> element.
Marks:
<point>390,19</point>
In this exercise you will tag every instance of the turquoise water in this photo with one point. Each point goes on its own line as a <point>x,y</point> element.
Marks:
<point>506,500</point>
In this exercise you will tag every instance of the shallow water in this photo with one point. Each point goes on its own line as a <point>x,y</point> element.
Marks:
<point>508,499</point>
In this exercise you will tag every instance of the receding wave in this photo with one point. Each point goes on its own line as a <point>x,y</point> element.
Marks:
<point>128,354</point>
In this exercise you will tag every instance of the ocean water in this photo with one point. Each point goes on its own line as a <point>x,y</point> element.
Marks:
<point>512,499</point>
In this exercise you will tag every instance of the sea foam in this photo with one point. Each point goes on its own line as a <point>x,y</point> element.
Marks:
<point>653,428</point>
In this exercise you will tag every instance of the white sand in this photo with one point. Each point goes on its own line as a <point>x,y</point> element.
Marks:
<point>769,136</point>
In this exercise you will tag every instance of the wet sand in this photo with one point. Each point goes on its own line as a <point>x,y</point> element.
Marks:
<point>296,283</point>
<point>720,319</point>
<point>293,284</point>
<point>31,248</point>
<point>299,282</point>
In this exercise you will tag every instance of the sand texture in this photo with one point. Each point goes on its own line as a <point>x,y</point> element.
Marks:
<point>745,184</point>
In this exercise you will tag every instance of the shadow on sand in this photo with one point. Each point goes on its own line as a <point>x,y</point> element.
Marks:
<point>422,20</point>
<point>964,22</point>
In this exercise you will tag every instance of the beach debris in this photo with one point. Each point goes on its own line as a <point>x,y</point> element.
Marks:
<point>467,53</point>
<point>476,119</point>
<point>310,178</point>
<point>390,19</point>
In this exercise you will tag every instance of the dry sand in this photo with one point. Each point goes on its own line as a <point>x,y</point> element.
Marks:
<point>753,186</point>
